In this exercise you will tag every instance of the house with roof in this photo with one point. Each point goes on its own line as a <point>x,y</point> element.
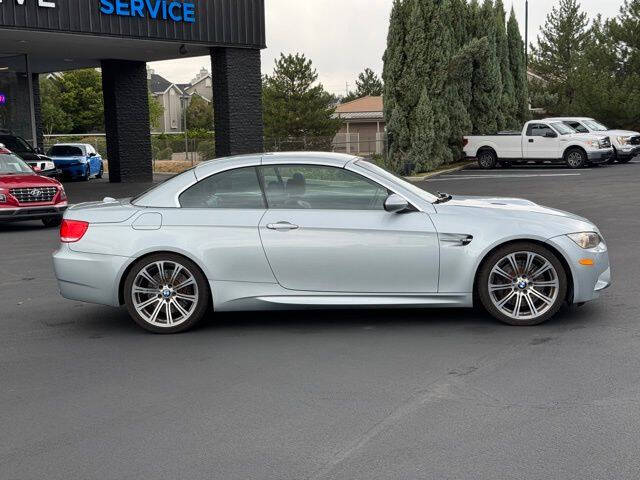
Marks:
<point>174,98</point>
<point>363,127</point>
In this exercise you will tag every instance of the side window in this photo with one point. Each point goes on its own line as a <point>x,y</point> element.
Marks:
<point>231,189</point>
<point>320,187</point>
<point>538,130</point>
<point>577,126</point>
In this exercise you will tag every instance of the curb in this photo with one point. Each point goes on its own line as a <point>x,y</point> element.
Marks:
<point>422,178</point>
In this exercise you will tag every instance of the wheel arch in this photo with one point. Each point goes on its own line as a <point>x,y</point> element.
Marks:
<point>574,147</point>
<point>551,248</point>
<point>487,147</point>
<point>134,261</point>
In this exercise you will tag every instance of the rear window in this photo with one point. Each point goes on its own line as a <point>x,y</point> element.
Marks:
<point>65,151</point>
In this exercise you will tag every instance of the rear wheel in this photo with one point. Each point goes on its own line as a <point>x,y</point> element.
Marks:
<point>522,284</point>
<point>576,158</point>
<point>487,159</point>
<point>52,221</point>
<point>87,174</point>
<point>614,157</point>
<point>101,172</point>
<point>166,293</point>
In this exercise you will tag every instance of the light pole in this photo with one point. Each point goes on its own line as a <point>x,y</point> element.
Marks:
<point>526,33</point>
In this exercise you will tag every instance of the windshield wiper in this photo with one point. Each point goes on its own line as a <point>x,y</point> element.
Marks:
<point>443,198</point>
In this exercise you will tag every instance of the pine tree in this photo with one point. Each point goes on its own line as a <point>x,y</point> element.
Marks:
<point>560,50</point>
<point>294,105</point>
<point>517,64</point>
<point>508,103</point>
<point>625,32</point>
<point>367,84</point>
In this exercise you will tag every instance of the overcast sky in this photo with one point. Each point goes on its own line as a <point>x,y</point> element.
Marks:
<point>342,37</point>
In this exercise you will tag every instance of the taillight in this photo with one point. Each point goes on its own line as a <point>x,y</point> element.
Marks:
<point>72,230</point>
<point>465,141</point>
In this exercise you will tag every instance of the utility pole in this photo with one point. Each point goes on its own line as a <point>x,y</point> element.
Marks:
<point>526,33</point>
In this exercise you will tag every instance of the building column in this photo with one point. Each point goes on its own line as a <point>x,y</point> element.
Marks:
<point>37,111</point>
<point>237,101</point>
<point>126,121</point>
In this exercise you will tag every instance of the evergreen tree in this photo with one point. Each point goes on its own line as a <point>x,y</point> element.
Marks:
<point>625,33</point>
<point>294,106</point>
<point>54,118</point>
<point>368,84</point>
<point>560,51</point>
<point>81,99</point>
<point>517,64</point>
<point>199,114</point>
<point>508,103</point>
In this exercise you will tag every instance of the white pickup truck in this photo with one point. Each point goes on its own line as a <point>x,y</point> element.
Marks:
<point>625,143</point>
<point>540,141</point>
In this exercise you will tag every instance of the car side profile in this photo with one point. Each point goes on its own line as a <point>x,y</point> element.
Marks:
<point>321,230</point>
<point>77,160</point>
<point>540,141</point>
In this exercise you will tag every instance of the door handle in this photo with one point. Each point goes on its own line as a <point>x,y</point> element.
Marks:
<point>282,226</point>
<point>531,140</point>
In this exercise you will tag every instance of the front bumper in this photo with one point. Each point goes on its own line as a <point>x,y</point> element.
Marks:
<point>588,281</point>
<point>623,154</point>
<point>600,156</point>
<point>24,213</point>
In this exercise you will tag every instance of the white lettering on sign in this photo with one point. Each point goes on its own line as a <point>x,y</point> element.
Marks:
<point>41,3</point>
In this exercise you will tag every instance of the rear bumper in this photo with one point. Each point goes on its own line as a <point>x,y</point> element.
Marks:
<point>88,277</point>
<point>600,156</point>
<point>76,170</point>
<point>31,213</point>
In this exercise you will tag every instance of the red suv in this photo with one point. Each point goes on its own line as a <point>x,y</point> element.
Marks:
<point>25,195</point>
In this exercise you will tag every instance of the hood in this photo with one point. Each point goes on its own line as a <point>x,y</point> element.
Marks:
<point>507,204</point>
<point>26,180</point>
<point>621,133</point>
<point>29,156</point>
<point>587,136</point>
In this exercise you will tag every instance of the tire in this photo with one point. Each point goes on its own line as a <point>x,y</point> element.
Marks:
<point>168,309</point>
<point>50,222</point>
<point>101,172</point>
<point>522,303</point>
<point>487,159</point>
<point>613,158</point>
<point>87,174</point>
<point>575,158</point>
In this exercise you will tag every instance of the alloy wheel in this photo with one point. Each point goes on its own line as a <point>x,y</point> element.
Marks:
<point>165,294</point>
<point>574,159</point>
<point>523,285</point>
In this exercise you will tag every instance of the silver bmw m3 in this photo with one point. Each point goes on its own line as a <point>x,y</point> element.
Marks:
<point>321,230</point>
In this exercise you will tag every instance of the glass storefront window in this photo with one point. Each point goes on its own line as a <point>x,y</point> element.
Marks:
<point>15,96</point>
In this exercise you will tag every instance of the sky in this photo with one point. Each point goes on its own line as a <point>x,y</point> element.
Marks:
<point>343,37</point>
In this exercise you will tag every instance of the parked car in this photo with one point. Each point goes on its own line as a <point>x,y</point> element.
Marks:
<point>77,160</point>
<point>19,146</point>
<point>625,143</point>
<point>25,195</point>
<point>540,141</point>
<point>302,230</point>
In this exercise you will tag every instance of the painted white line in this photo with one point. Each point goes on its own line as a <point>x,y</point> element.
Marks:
<point>473,177</point>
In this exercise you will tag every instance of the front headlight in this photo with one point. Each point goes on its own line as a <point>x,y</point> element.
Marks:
<point>3,198</point>
<point>624,140</point>
<point>593,143</point>
<point>586,240</point>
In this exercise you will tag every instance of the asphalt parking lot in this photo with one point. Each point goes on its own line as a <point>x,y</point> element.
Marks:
<point>370,394</point>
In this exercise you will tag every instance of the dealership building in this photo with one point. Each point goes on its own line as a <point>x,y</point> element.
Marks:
<point>120,37</point>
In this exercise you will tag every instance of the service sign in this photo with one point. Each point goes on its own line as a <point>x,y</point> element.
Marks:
<point>174,10</point>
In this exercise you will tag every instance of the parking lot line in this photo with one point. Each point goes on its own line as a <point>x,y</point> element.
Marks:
<point>524,175</point>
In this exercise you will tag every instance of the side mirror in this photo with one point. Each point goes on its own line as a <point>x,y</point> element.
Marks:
<point>36,169</point>
<point>550,135</point>
<point>396,204</point>
<point>92,154</point>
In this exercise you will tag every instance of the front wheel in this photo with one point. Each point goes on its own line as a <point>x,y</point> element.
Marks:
<point>101,172</point>
<point>166,293</point>
<point>87,174</point>
<point>522,284</point>
<point>614,157</point>
<point>576,158</point>
<point>487,159</point>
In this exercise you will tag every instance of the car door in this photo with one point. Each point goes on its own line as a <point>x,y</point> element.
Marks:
<point>217,222</point>
<point>541,142</point>
<point>326,230</point>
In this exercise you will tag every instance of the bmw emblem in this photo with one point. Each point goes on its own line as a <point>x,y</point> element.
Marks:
<point>166,293</point>
<point>522,285</point>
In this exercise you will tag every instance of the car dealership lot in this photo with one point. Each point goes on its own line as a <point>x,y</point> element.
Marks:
<point>348,394</point>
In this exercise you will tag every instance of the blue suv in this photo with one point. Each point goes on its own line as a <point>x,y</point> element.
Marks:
<point>77,160</point>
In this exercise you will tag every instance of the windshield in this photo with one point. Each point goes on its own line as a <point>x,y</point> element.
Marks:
<point>65,151</point>
<point>15,144</point>
<point>12,164</point>
<point>399,180</point>
<point>562,129</point>
<point>595,126</point>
